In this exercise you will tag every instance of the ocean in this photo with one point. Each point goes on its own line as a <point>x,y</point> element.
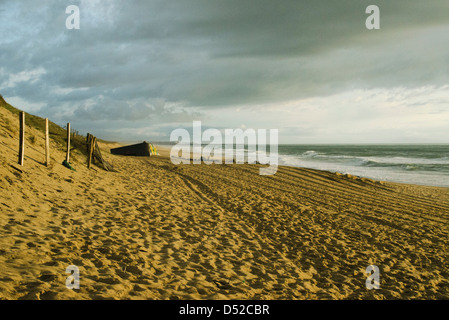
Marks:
<point>415,164</point>
<point>421,164</point>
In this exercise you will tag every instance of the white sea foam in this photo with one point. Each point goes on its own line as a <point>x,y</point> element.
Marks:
<point>414,170</point>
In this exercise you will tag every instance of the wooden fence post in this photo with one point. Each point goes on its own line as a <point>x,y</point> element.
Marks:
<point>87,142</point>
<point>22,138</point>
<point>89,149</point>
<point>92,148</point>
<point>68,143</point>
<point>47,144</point>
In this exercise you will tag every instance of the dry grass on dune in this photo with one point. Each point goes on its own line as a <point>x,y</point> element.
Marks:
<point>154,230</point>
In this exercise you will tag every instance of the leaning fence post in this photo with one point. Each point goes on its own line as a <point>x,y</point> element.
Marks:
<point>22,138</point>
<point>93,140</point>
<point>68,143</point>
<point>47,144</point>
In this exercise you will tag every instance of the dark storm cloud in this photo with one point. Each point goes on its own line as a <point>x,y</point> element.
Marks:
<point>208,54</point>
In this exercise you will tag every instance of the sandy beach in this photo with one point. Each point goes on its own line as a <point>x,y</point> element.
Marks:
<point>153,230</point>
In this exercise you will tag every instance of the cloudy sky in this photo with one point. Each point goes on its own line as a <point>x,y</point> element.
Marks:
<point>136,70</point>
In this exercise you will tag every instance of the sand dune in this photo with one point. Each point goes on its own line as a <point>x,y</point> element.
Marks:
<point>154,230</point>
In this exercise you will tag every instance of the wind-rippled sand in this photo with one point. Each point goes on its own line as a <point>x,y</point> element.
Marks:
<point>154,230</point>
